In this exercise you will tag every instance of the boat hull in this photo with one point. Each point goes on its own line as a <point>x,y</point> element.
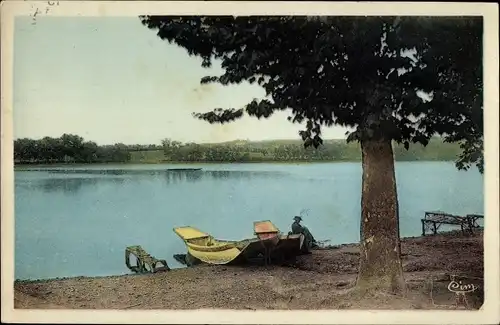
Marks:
<point>203,248</point>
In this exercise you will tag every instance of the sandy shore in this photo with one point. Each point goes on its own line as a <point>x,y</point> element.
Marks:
<point>322,280</point>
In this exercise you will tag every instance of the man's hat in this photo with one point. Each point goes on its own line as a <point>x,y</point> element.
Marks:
<point>297,218</point>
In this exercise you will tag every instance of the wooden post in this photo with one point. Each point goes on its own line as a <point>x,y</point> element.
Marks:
<point>470,223</point>
<point>423,227</point>
<point>127,259</point>
<point>435,228</point>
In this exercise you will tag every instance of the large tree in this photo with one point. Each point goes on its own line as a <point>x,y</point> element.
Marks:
<point>351,71</point>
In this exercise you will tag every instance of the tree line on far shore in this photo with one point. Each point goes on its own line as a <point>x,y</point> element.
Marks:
<point>294,150</point>
<point>71,148</point>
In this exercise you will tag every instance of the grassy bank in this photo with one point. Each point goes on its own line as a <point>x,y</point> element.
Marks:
<point>322,280</point>
<point>288,151</point>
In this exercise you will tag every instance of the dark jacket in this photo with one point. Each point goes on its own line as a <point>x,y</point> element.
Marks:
<point>297,228</point>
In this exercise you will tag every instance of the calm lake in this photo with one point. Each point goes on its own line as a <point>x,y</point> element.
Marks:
<point>79,222</point>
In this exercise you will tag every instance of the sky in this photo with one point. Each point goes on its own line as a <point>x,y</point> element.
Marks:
<point>110,79</point>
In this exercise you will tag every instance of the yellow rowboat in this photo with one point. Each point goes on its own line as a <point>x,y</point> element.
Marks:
<point>202,247</point>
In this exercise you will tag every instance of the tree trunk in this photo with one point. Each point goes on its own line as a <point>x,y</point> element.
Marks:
<point>380,248</point>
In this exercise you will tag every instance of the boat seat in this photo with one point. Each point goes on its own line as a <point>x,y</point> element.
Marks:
<point>268,234</point>
<point>265,229</point>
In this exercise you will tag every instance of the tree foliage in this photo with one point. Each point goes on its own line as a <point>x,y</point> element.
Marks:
<point>348,71</point>
<point>69,148</point>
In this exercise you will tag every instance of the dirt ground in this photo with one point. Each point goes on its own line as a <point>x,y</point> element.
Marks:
<point>322,280</point>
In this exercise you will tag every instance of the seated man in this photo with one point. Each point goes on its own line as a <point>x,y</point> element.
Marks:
<point>297,228</point>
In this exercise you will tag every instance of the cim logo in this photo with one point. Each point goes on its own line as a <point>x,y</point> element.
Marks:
<point>459,287</point>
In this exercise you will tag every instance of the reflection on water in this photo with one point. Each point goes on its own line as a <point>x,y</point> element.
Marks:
<point>67,185</point>
<point>74,180</point>
<point>192,177</point>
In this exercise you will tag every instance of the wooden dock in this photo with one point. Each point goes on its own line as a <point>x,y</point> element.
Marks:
<point>434,220</point>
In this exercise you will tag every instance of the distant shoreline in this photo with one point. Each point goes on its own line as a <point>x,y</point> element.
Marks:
<point>70,150</point>
<point>23,166</point>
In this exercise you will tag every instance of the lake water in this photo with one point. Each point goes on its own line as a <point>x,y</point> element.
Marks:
<point>71,224</point>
